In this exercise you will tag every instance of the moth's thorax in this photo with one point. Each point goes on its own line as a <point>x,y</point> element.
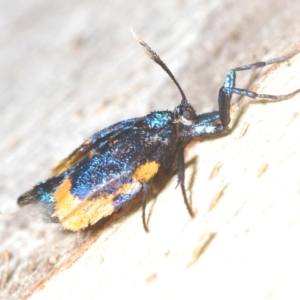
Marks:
<point>159,119</point>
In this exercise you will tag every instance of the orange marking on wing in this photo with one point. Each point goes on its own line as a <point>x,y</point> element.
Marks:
<point>113,142</point>
<point>92,153</point>
<point>146,171</point>
<point>65,201</point>
<point>88,211</point>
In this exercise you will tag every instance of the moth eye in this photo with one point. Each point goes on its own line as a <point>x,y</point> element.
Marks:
<point>188,114</point>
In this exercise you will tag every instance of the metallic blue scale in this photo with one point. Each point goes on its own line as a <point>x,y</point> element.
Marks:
<point>158,120</point>
<point>113,166</point>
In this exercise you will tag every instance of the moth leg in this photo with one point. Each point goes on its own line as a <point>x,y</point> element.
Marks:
<point>228,88</point>
<point>144,203</point>
<point>181,178</point>
<point>261,64</point>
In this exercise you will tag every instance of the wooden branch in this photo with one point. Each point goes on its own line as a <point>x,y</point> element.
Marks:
<point>67,73</point>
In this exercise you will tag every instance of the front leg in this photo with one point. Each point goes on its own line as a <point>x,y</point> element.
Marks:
<point>226,91</point>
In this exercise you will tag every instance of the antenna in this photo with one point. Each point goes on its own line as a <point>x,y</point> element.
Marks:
<point>153,55</point>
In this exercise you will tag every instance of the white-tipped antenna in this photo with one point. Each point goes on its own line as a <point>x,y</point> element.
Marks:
<point>153,55</point>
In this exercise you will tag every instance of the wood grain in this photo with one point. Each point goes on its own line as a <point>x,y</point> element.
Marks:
<point>69,69</point>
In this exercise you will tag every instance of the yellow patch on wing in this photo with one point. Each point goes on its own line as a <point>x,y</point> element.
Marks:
<point>146,171</point>
<point>92,153</point>
<point>65,201</point>
<point>75,214</point>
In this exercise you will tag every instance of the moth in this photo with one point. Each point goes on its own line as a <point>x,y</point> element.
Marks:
<point>115,164</point>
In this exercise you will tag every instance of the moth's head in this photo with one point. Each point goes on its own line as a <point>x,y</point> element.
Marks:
<point>185,113</point>
<point>190,124</point>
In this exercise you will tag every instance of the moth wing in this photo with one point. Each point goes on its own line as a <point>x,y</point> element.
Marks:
<point>102,137</point>
<point>75,213</point>
<point>55,200</point>
<point>100,184</point>
<point>104,174</point>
